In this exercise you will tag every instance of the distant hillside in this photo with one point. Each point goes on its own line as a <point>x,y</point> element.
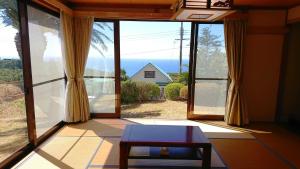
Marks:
<point>11,75</point>
<point>10,92</point>
<point>11,70</point>
<point>10,64</point>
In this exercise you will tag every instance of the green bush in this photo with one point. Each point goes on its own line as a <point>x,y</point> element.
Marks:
<point>183,78</point>
<point>129,92</point>
<point>11,75</point>
<point>184,93</point>
<point>172,91</point>
<point>147,91</point>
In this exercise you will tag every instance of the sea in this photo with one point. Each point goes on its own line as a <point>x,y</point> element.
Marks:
<point>131,66</point>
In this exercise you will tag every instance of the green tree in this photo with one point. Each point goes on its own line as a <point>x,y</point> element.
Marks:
<point>209,41</point>
<point>124,76</point>
<point>211,60</point>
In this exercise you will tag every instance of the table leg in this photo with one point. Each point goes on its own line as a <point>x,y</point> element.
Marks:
<point>206,159</point>
<point>124,152</point>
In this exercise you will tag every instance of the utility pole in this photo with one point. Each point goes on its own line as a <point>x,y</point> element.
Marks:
<point>181,39</point>
<point>180,50</point>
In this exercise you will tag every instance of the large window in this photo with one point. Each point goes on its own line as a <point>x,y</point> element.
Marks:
<point>211,71</point>
<point>100,69</point>
<point>13,126</point>
<point>47,69</point>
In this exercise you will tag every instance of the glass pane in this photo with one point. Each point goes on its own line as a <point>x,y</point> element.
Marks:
<point>211,56</point>
<point>101,60</point>
<point>210,97</point>
<point>101,93</point>
<point>49,102</point>
<point>45,46</point>
<point>13,125</point>
<point>47,65</point>
<point>100,69</point>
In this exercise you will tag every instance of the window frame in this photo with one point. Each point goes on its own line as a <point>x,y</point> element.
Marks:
<point>46,134</point>
<point>193,78</point>
<point>117,69</point>
<point>33,140</point>
<point>149,74</point>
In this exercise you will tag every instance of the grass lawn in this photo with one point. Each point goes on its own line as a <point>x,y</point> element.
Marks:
<point>166,109</point>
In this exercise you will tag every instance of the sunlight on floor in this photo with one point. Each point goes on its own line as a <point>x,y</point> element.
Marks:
<point>95,144</point>
<point>211,131</point>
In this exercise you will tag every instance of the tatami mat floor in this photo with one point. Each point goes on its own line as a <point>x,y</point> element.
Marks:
<point>95,145</point>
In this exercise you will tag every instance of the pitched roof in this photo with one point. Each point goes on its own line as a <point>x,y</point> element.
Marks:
<point>162,71</point>
<point>156,67</point>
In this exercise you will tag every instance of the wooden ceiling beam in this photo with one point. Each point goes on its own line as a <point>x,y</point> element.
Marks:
<point>54,5</point>
<point>138,15</point>
<point>124,11</point>
<point>113,5</point>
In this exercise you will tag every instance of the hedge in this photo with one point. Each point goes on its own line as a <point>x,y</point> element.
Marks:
<point>129,92</point>
<point>184,93</point>
<point>132,92</point>
<point>147,91</point>
<point>172,91</point>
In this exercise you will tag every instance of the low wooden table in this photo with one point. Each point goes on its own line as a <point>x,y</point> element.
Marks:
<point>167,137</point>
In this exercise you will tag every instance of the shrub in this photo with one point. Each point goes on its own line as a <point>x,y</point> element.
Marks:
<point>183,78</point>
<point>129,92</point>
<point>184,93</point>
<point>147,91</point>
<point>172,91</point>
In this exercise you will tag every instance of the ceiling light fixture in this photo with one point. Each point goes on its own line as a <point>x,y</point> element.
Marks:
<point>202,10</point>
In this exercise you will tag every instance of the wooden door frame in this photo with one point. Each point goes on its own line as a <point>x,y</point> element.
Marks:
<point>117,78</point>
<point>192,72</point>
<point>192,77</point>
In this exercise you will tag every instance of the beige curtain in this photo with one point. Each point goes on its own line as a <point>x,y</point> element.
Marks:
<point>235,33</point>
<point>72,107</point>
<point>76,37</point>
<point>83,27</point>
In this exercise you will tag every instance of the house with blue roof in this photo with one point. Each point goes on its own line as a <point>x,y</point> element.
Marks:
<point>152,73</point>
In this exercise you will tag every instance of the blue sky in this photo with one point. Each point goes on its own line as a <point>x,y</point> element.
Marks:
<point>153,40</point>
<point>139,40</point>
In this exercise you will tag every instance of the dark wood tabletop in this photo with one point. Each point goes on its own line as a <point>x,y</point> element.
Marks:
<point>160,134</point>
<point>164,136</point>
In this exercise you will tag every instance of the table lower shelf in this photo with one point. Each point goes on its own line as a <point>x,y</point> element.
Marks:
<point>172,153</point>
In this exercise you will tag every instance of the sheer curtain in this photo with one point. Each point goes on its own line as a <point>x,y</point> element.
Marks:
<point>235,34</point>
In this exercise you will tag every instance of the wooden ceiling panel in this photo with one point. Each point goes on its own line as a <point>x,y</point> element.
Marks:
<point>247,3</point>
<point>267,3</point>
<point>158,2</point>
<point>151,9</point>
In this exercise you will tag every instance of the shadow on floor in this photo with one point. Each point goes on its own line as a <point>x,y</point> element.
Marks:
<point>141,114</point>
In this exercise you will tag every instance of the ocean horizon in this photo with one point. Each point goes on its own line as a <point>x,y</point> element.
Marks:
<point>131,66</point>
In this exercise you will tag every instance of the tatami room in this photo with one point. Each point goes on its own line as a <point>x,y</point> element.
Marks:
<point>149,84</point>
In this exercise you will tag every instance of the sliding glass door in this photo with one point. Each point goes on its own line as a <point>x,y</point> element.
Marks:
<point>210,72</point>
<point>48,76</point>
<point>13,126</point>
<point>102,70</point>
